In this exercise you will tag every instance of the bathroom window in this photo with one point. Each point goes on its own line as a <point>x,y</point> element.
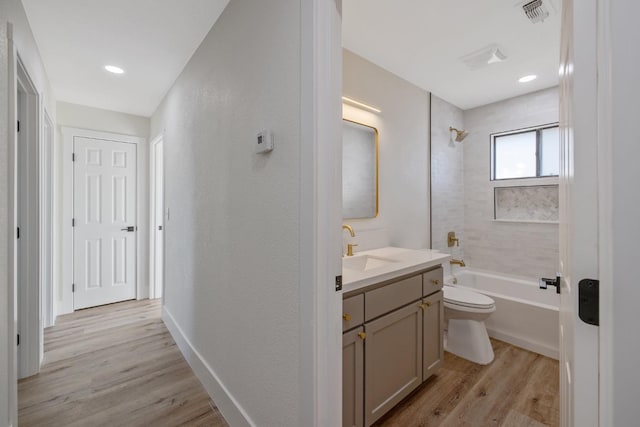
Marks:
<point>527,153</point>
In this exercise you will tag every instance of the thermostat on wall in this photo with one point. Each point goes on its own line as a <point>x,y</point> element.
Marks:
<point>264,142</point>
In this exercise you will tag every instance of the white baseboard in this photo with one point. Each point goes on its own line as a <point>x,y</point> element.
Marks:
<point>226,403</point>
<point>535,347</point>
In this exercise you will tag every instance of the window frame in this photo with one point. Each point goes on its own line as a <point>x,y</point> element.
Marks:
<point>538,130</point>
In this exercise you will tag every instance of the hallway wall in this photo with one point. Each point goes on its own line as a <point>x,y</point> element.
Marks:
<point>232,254</point>
<point>11,11</point>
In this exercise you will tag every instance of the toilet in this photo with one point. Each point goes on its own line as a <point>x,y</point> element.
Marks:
<point>464,314</point>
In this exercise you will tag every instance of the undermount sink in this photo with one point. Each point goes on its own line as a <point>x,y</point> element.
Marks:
<point>366,262</point>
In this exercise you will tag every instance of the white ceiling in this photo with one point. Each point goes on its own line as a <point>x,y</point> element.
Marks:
<point>419,40</point>
<point>151,40</point>
<point>422,41</point>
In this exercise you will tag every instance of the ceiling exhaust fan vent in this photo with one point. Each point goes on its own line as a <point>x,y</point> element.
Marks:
<point>535,11</point>
<point>491,54</point>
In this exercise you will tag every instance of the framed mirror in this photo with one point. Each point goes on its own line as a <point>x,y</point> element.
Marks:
<point>359,170</point>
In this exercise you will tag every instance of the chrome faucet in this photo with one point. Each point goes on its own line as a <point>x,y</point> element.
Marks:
<point>353,234</point>
<point>459,262</point>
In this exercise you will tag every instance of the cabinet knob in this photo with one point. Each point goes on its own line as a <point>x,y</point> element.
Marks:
<point>362,335</point>
<point>346,317</point>
<point>428,303</point>
<point>421,306</point>
<point>436,282</point>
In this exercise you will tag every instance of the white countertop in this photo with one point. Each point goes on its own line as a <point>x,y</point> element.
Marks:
<point>387,263</point>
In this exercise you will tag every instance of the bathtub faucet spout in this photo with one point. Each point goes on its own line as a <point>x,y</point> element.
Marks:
<point>459,262</point>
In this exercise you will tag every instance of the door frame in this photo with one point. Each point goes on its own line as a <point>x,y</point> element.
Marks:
<point>48,224</point>
<point>320,368</point>
<point>29,314</point>
<point>142,219</point>
<point>153,286</point>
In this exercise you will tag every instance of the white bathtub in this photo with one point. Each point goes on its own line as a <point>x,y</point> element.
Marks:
<point>526,316</point>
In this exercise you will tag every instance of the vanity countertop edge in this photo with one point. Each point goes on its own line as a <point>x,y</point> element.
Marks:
<point>413,261</point>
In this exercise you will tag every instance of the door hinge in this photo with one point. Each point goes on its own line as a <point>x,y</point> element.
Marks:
<point>18,233</point>
<point>18,339</point>
<point>73,157</point>
<point>589,301</point>
<point>73,222</point>
<point>18,126</point>
<point>338,283</point>
<point>73,287</point>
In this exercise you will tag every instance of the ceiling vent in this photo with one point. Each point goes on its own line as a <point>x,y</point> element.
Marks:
<point>537,10</point>
<point>486,56</point>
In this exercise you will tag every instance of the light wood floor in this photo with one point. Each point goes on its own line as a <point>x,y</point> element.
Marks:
<point>115,365</point>
<point>519,389</point>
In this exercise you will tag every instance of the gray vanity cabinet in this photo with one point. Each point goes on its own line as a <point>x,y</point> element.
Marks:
<point>393,354</point>
<point>391,343</point>
<point>352,377</point>
<point>433,330</point>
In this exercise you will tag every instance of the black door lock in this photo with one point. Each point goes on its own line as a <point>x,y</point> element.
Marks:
<point>550,282</point>
<point>129,229</point>
<point>589,301</point>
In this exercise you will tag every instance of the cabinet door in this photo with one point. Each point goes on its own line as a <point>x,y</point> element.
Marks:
<point>352,378</point>
<point>433,327</point>
<point>393,354</point>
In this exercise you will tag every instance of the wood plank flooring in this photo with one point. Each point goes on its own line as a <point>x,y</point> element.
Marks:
<point>519,389</point>
<point>115,365</point>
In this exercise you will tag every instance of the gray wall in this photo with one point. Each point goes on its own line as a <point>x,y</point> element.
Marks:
<point>524,249</point>
<point>403,127</point>
<point>83,117</point>
<point>232,239</point>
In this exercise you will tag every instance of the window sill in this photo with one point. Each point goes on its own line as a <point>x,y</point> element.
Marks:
<point>526,221</point>
<point>525,182</point>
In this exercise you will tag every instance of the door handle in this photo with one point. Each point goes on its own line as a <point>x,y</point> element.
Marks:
<point>129,229</point>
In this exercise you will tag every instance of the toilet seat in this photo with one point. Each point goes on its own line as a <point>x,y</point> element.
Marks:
<point>464,300</point>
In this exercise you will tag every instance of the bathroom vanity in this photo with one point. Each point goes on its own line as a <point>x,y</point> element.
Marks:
<point>393,318</point>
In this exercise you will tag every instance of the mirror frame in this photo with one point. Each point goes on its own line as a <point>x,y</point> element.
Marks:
<point>377,170</point>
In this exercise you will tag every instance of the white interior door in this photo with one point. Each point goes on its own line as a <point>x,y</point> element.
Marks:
<point>579,222</point>
<point>158,217</point>
<point>104,211</point>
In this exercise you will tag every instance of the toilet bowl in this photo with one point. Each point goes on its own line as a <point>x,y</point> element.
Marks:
<point>464,314</point>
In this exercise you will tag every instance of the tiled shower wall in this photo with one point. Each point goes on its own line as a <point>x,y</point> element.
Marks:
<point>518,248</point>
<point>447,178</point>
<point>525,249</point>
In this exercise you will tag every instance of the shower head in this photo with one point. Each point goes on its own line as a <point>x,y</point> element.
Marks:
<point>460,134</point>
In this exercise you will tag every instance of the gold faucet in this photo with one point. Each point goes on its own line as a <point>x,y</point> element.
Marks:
<point>348,227</point>
<point>353,234</point>
<point>459,262</point>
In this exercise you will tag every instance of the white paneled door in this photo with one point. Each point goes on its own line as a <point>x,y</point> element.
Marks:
<point>579,217</point>
<point>104,210</point>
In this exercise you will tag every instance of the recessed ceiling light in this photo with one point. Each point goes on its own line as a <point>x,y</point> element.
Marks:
<point>113,69</point>
<point>528,78</point>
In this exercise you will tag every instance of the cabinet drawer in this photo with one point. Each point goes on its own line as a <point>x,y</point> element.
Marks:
<point>432,281</point>
<point>352,312</point>
<point>393,296</point>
